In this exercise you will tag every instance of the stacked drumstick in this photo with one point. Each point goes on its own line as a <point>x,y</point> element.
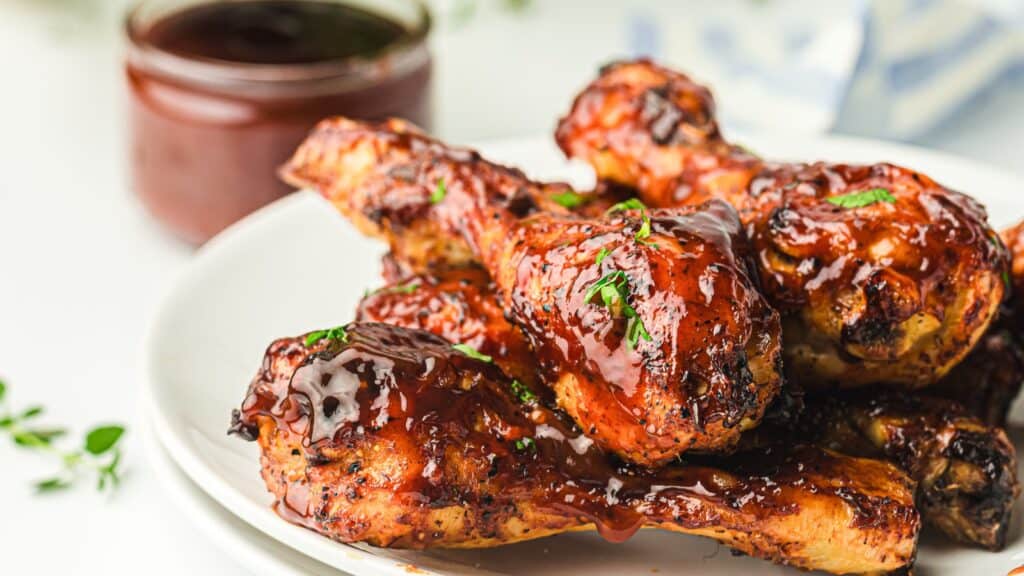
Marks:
<point>802,361</point>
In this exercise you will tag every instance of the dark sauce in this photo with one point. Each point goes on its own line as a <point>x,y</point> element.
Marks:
<point>223,92</point>
<point>275,32</point>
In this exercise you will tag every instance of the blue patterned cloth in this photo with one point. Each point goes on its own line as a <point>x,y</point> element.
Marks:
<point>891,68</point>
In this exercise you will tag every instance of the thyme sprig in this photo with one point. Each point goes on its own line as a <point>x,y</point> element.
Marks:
<point>99,452</point>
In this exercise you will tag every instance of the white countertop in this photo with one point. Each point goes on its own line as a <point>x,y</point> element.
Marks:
<point>82,267</point>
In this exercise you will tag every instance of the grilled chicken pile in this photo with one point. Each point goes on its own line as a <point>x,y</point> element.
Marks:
<point>801,361</point>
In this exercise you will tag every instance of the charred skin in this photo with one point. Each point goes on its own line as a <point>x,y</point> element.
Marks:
<point>966,470</point>
<point>989,379</point>
<point>889,292</point>
<point>709,364</point>
<point>394,439</point>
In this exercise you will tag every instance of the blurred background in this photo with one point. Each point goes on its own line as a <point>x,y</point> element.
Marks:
<point>83,264</point>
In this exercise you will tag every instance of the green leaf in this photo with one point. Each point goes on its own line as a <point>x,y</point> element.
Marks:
<point>47,434</point>
<point>1006,281</point>
<point>439,193</point>
<point>614,291</point>
<point>635,204</point>
<point>6,422</point>
<point>635,331</point>
<point>52,485</point>
<point>35,438</point>
<point>28,440</point>
<point>522,393</point>
<point>569,199</point>
<point>472,352</point>
<point>314,337</point>
<point>31,413</point>
<point>614,280</point>
<point>862,199</point>
<point>100,440</point>
<point>525,443</point>
<point>631,204</point>
<point>3,390</point>
<point>337,333</point>
<point>601,255</point>
<point>407,288</point>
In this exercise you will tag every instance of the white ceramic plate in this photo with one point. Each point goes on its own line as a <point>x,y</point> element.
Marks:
<point>251,548</point>
<point>296,265</point>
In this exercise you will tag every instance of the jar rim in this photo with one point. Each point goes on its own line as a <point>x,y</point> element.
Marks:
<point>403,54</point>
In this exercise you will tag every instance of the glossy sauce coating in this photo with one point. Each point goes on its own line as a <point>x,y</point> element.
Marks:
<point>396,439</point>
<point>709,365</point>
<point>890,292</point>
<point>461,306</point>
<point>965,467</point>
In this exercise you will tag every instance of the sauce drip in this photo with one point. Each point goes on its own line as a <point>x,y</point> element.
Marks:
<point>275,32</point>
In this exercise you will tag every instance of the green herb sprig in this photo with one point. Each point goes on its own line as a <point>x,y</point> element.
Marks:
<point>862,199</point>
<point>99,452</point>
<point>569,199</point>
<point>472,352</point>
<point>439,192</point>
<point>644,231</point>
<point>407,288</point>
<point>525,443</point>
<point>614,290</point>
<point>522,393</point>
<point>336,334</point>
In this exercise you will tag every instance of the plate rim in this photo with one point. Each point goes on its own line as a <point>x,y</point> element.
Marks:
<point>188,496</point>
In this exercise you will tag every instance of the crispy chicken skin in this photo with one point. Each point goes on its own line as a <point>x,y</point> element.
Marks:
<point>965,469</point>
<point>391,437</point>
<point>1013,237</point>
<point>989,379</point>
<point>894,292</point>
<point>678,352</point>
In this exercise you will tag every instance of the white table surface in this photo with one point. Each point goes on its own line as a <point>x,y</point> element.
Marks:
<point>82,268</point>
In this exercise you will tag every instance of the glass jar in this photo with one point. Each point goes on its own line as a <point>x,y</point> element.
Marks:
<point>212,120</point>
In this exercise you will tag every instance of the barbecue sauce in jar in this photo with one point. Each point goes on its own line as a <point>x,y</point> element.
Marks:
<point>223,91</point>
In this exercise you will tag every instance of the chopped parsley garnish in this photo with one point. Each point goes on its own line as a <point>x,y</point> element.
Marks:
<point>439,193</point>
<point>614,291</point>
<point>407,288</point>
<point>569,199</point>
<point>525,443</point>
<point>472,352</point>
<point>337,333</point>
<point>522,393</point>
<point>634,204</point>
<point>862,199</point>
<point>601,255</point>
